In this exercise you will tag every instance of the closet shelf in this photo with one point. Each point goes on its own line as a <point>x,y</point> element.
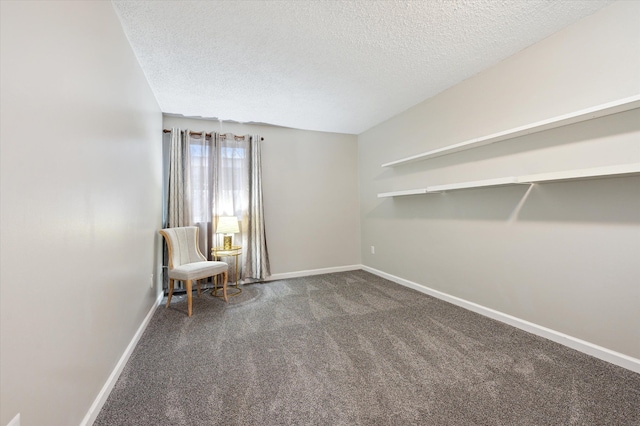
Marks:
<point>602,110</point>
<point>580,174</point>
<point>511,180</point>
<point>435,189</point>
<point>401,193</point>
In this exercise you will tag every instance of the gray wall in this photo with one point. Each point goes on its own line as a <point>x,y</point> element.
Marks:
<point>310,191</point>
<point>79,125</point>
<point>565,255</point>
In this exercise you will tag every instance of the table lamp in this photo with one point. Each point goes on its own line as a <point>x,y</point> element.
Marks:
<point>227,225</point>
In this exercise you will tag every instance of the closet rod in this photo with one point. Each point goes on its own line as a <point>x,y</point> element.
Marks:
<point>200,134</point>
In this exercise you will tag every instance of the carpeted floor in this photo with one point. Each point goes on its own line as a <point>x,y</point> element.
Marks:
<point>354,349</point>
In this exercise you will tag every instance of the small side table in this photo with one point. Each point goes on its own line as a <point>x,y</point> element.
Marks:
<point>218,253</point>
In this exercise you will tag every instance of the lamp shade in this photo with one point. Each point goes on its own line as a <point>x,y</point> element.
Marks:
<point>227,225</point>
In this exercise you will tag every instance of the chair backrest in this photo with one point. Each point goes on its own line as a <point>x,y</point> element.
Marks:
<point>183,245</point>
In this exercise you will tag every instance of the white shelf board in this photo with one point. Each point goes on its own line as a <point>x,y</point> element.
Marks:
<point>452,186</point>
<point>592,173</point>
<point>602,110</point>
<point>401,193</point>
<point>511,180</point>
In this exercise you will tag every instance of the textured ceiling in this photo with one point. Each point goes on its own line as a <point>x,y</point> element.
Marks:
<point>337,66</point>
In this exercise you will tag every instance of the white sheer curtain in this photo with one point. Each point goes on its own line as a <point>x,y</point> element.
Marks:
<point>220,175</point>
<point>201,176</point>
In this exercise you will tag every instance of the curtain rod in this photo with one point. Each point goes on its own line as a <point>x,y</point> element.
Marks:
<point>200,134</point>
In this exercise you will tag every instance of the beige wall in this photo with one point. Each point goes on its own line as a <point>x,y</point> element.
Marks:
<point>79,241</point>
<point>565,255</point>
<point>310,191</point>
<point>81,203</point>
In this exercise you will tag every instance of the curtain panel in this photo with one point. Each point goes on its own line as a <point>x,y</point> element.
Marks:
<point>216,176</point>
<point>179,182</point>
<point>257,258</point>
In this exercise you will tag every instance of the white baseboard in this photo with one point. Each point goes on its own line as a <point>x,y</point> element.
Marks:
<point>309,272</point>
<point>95,408</point>
<point>604,354</point>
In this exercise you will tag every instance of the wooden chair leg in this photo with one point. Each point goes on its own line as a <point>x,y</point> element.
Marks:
<point>189,296</point>
<point>198,286</point>
<point>225,278</point>
<point>170,291</point>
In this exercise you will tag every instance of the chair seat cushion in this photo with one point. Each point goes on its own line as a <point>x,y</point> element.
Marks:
<point>197,270</point>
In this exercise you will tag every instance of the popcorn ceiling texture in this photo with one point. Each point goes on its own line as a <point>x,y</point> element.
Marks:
<point>337,66</point>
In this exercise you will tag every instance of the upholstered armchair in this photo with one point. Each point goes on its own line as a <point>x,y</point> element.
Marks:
<point>186,262</point>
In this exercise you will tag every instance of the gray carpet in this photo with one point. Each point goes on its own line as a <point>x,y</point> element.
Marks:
<point>354,349</point>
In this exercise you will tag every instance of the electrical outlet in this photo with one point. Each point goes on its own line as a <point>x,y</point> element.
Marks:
<point>373,249</point>
<point>151,281</point>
